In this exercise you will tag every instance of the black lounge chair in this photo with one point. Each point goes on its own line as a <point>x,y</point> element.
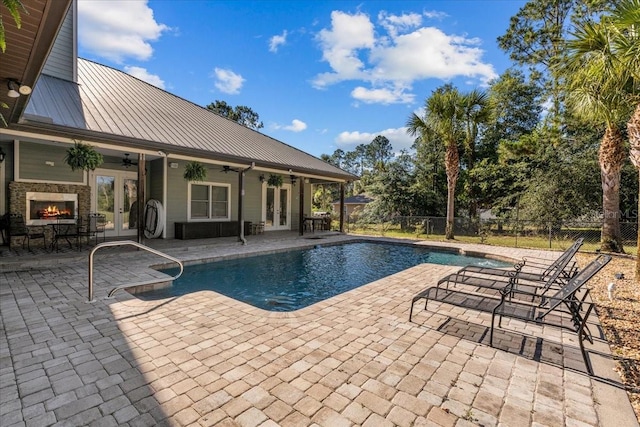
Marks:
<point>564,309</point>
<point>528,284</point>
<point>562,269</point>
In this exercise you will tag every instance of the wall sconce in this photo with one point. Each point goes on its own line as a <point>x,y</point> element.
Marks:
<point>2,155</point>
<point>306,180</point>
<point>22,89</point>
<point>293,179</point>
<point>261,177</point>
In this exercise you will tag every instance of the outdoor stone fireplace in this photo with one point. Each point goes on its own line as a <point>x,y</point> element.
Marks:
<point>45,208</point>
<point>43,203</point>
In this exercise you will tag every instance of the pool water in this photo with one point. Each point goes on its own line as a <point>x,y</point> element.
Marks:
<point>292,280</point>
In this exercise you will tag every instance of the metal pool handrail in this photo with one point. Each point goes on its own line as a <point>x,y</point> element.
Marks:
<point>138,245</point>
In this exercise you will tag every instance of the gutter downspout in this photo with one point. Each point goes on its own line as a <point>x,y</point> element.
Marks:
<point>240,204</point>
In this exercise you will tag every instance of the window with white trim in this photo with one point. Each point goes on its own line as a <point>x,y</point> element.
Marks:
<point>209,201</point>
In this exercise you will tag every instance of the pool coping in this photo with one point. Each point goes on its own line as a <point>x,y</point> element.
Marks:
<point>134,290</point>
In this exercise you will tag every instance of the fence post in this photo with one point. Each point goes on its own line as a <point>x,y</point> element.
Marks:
<point>549,234</point>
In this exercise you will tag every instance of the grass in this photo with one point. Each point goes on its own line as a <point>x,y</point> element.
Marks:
<point>527,241</point>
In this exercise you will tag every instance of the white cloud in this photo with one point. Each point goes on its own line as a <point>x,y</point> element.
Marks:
<point>118,30</point>
<point>295,126</point>
<point>276,41</point>
<point>430,53</point>
<point>399,23</point>
<point>340,46</point>
<point>227,81</point>
<point>382,96</point>
<point>389,59</point>
<point>434,14</point>
<point>398,138</point>
<point>144,75</point>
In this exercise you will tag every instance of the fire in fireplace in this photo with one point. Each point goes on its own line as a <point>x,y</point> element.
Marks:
<point>53,211</point>
<point>44,208</point>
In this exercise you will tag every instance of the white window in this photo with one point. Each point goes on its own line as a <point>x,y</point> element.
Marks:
<point>209,201</point>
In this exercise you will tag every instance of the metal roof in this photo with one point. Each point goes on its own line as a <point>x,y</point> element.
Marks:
<point>110,103</point>
<point>357,199</point>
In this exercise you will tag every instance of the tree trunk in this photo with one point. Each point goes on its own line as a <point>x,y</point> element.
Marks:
<point>452,164</point>
<point>633,130</point>
<point>611,157</point>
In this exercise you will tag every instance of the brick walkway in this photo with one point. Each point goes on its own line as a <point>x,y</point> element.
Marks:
<point>205,359</point>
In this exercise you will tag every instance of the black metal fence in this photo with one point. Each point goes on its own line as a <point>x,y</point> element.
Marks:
<point>504,232</point>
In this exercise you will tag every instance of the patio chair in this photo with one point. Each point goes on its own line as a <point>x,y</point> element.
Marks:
<point>564,309</point>
<point>91,226</point>
<point>18,228</point>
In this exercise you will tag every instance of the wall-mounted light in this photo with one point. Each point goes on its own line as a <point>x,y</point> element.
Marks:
<point>293,179</point>
<point>261,177</point>
<point>2,155</point>
<point>173,165</point>
<point>21,89</point>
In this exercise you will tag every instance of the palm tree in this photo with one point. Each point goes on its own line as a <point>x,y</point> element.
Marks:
<point>624,27</point>
<point>600,83</point>
<point>443,117</point>
<point>475,111</point>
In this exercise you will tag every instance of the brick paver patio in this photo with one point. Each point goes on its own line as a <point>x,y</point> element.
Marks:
<point>205,359</point>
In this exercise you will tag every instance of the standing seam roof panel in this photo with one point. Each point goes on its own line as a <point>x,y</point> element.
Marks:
<point>118,104</point>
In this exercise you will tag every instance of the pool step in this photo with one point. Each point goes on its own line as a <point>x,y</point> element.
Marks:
<point>139,287</point>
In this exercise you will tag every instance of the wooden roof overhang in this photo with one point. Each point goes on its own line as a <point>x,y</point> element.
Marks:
<point>28,48</point>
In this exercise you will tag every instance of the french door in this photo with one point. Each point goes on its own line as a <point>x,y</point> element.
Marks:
<point>277,207</point>
<point>115,195</point>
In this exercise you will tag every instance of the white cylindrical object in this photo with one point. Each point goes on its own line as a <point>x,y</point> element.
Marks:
<point>610,289</point>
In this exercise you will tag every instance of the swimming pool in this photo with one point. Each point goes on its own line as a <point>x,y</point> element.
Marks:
<point>288,281</point>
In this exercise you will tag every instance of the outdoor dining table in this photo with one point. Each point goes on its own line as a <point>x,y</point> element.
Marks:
<point>66,229</point>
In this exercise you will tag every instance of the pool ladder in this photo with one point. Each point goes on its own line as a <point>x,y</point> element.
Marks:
<point>138,245</point>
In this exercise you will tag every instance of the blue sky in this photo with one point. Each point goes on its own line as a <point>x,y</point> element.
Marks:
<point>322,75</point>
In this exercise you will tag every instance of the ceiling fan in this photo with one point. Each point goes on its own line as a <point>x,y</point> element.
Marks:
<point>227,168</point>
<point>127,162</point>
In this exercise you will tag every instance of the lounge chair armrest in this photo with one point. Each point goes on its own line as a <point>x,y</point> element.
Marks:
<point>538,261</point>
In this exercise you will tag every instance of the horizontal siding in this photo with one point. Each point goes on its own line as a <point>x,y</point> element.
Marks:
<point>61,59</point>
<point>33,158</point>
<point>155,177</point>
<point>176,205</point>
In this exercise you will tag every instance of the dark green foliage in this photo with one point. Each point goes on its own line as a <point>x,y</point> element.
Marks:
<point>240,114</point>
<point>275,180</point>
<point>195,171</point>
<point>83,157</point>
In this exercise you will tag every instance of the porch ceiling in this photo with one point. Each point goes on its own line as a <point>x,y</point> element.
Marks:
<point>27,48</point>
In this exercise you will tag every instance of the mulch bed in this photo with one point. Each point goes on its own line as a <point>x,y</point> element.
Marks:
<point>619,319</point>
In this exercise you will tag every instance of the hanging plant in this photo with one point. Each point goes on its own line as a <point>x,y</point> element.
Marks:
<point>83,157</point>
<point>275,180</point>
<point>195,171</point>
